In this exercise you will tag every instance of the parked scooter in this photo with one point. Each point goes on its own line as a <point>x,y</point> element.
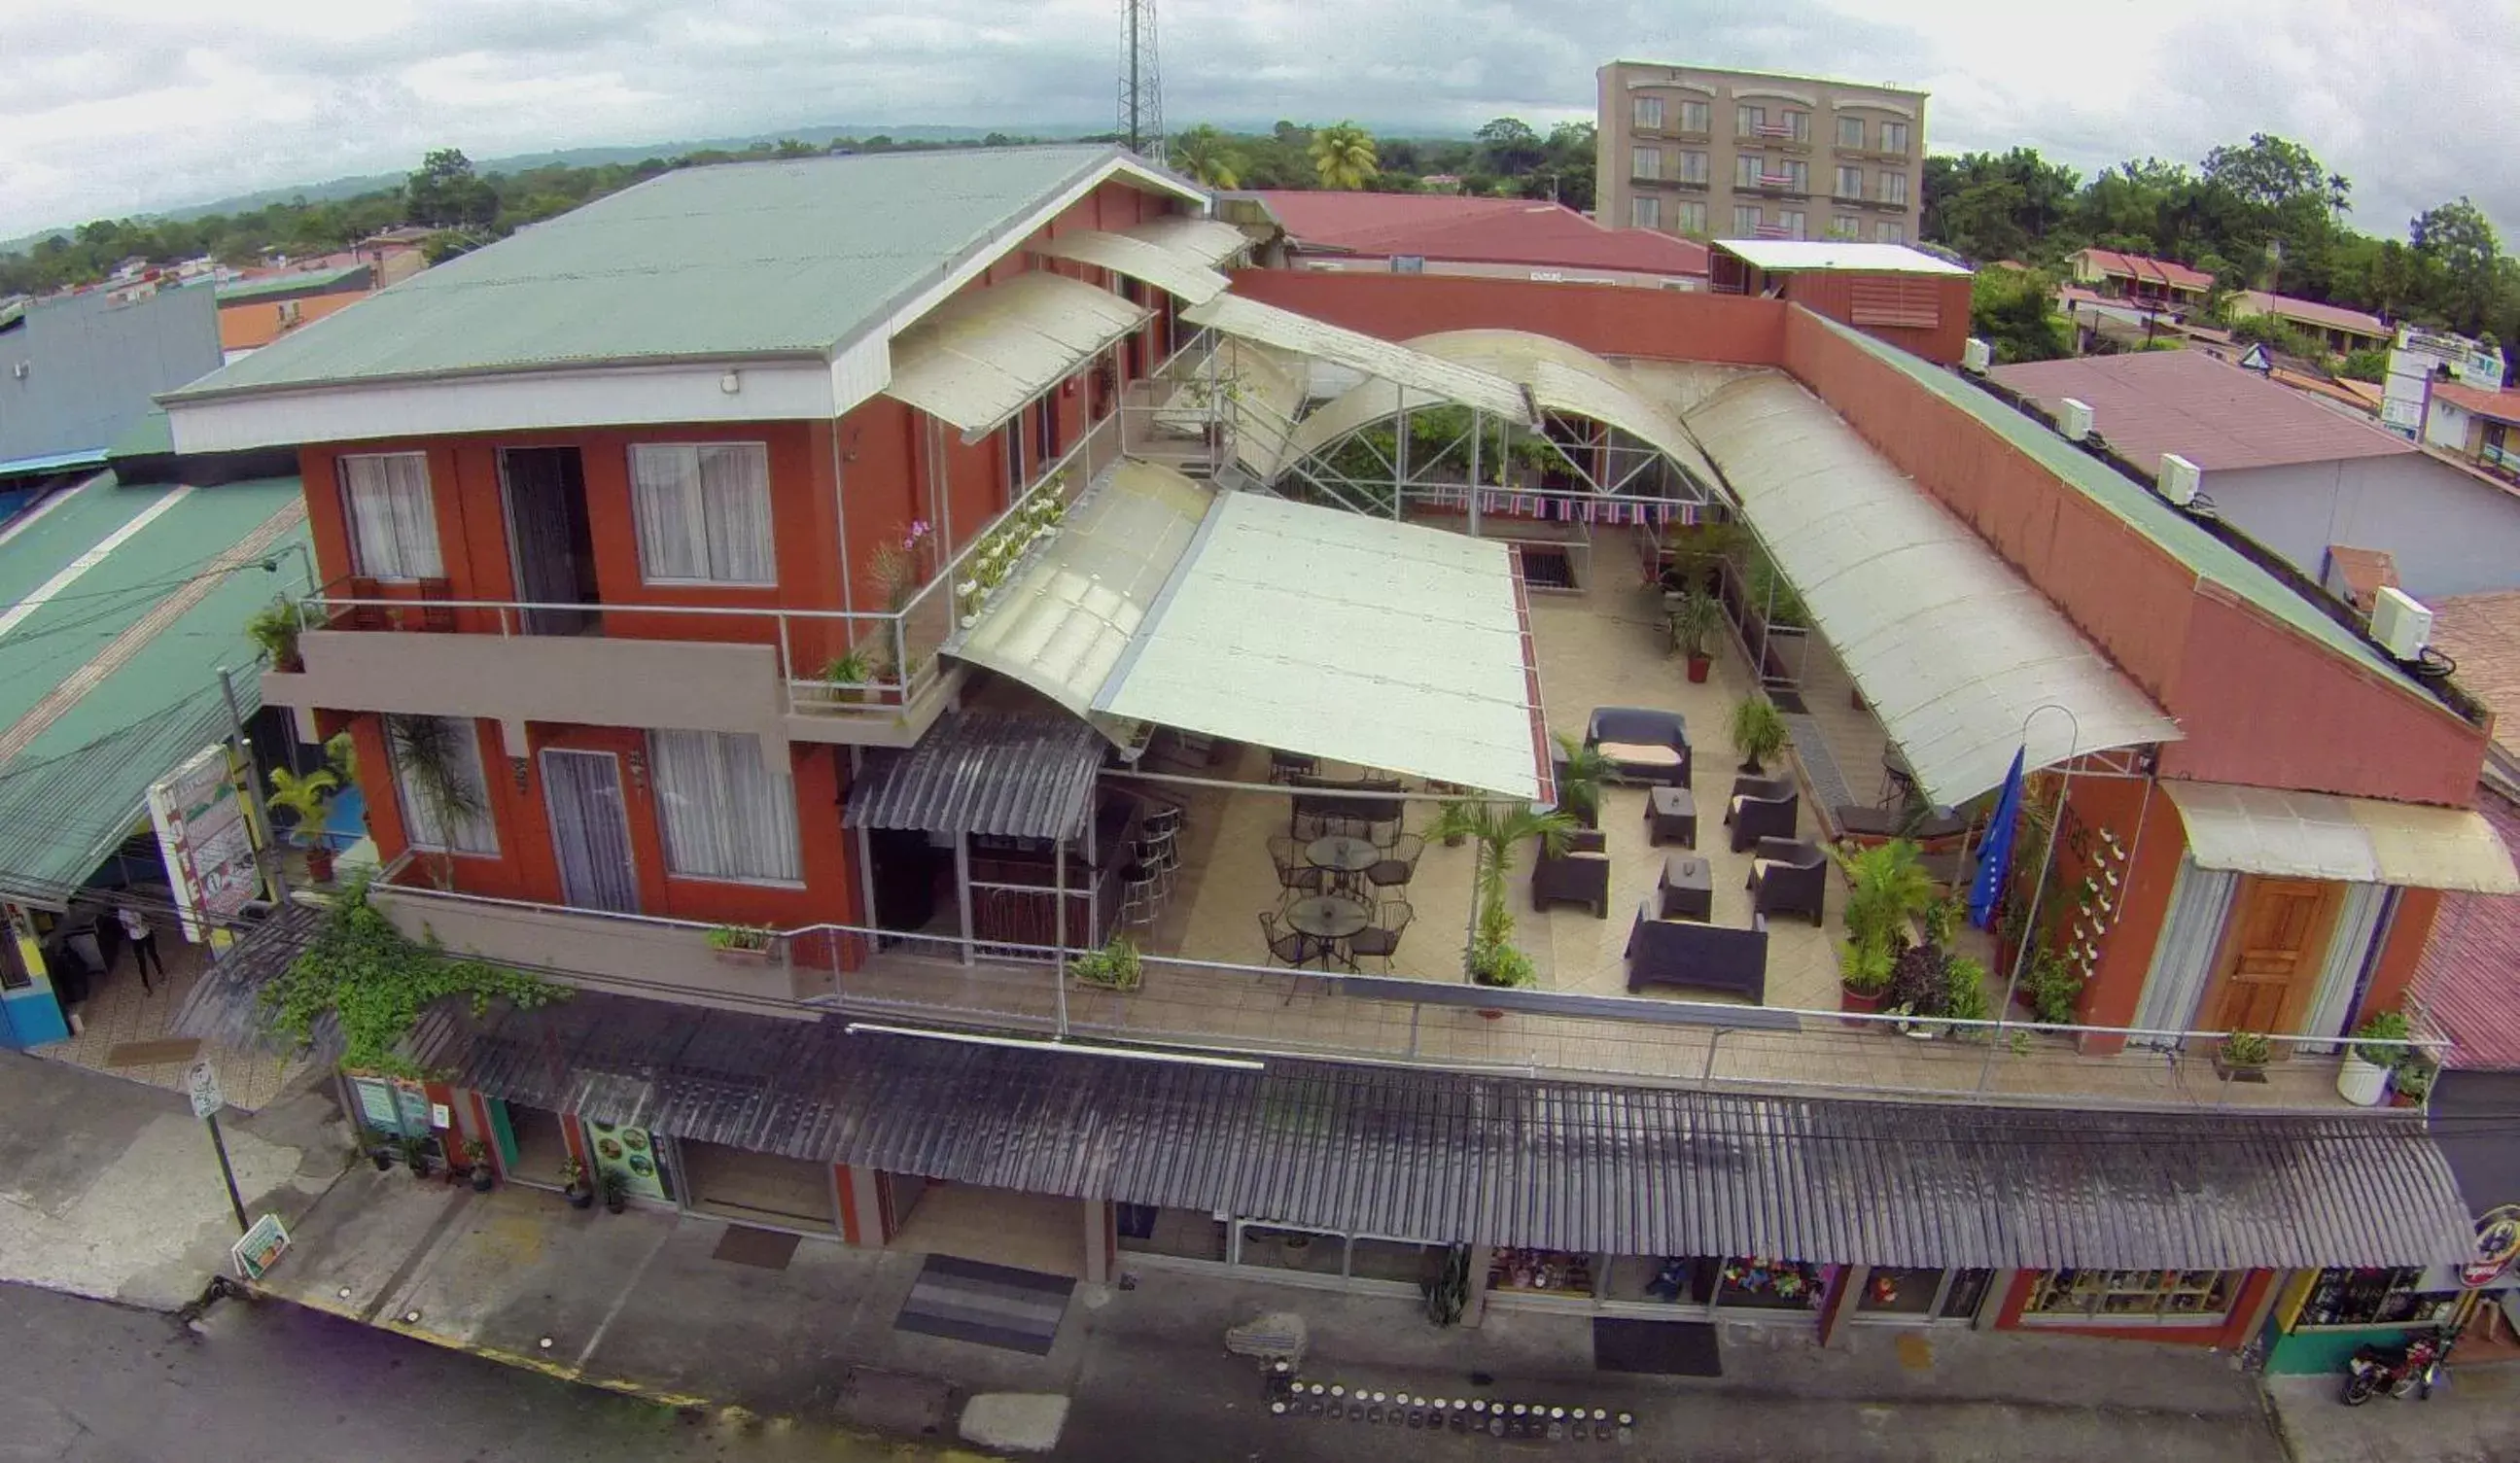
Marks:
<point>2414,1369</point>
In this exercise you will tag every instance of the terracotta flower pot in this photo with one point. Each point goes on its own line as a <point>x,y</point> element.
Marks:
<point>1866,1002</point>
<point>1698,666</point>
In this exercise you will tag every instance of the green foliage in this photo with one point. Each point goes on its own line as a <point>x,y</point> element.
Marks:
<point>2383,1027</point>
<point>341,755</point>
<point>2366,366</point>
<point>1498,828</point>
<point>1448,1290</point>
<point>426,755</point>
<point>1964,996</point>
<point>305,799</point>
<point>2014,310</point>
<point>1866,965</point>
<point>1772,594</point>
<point>2414,1075</point>
<point>273,629</point>
<point>1758,729</point>
<point>1695,617</point>
<point>1343,157</point>
<point>374,982</point>
<point>1581,771</point>
<point>1116,966</point>
<point>445,194</point>
<point>1887,888</point>
<point>1207,157</point>
<point>2056,988</point>
<point>2283,335</point>
<point>847,669</point>
<point>2246,1048</point>
<point>744,937</point>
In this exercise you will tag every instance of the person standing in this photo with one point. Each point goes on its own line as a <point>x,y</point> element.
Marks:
<point>144,944</point>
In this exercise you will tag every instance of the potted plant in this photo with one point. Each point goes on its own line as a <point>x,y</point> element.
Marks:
<point>1694,617</point>
<point>1920,988</point>
<point>573,1185</point>
<point>437,772</point>
<point>2413,1078</point>
<point>1581,771</point>
<point>2054,988</point>
<point>2243,1057</point>
<point>616,1193</point>
<point>1116,966</point>
<point>1888,887</point>
<point>2364,1078</point>
<point>307,800</point>
<point>380,1152</point>
<point>274,629</point>
<point>846,674</point>
<point>1492,958</point>
<point>477,1154</point>
<point>1863,970</point>
<point>416,1153</point>
<point>1964,996</point>
<point>742,943</point>
<point>1757,732</point>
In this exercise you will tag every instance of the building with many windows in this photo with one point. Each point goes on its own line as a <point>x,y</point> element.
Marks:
<point>1745,155</point>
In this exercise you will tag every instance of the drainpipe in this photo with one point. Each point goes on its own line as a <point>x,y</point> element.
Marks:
<point>963,889</point>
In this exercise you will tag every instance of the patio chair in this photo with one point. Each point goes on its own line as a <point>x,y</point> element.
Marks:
<point>1581,875</point>
<point>1762,808</point>
<point>1295,872</point>
<point>1285,767</point>
<point>1926,827</point>
<point>1286,946</point>
<point>1381,940</point>
<point>1787,875</point>
<point>1396,871</point>
<point>1141,895</point>
<point>1643,744</point>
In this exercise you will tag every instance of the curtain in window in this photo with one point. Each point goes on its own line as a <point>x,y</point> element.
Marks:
<point>703,512</point>
<point>2349,952</point>
<point>392,533</point>
<point>2183,959</point>
<point>725,815</point>
<point>452,817</point>
<point>589,832</point>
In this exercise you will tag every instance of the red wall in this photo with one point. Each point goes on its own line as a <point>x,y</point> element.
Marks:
<point>2231,1331</point>
<point>1611,320</point>
<point>1831,293</point>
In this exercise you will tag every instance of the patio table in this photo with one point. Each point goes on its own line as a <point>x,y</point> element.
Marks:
<point>1344,855</point>
<point>1326,919</point>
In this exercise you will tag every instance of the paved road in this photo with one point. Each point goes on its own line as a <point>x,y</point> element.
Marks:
<point>94,1383</point>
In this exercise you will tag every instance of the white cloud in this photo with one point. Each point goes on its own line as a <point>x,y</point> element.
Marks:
<point>126,106</point>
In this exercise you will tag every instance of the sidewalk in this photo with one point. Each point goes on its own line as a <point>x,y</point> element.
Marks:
<point>109,1187</point>
<point>2475,1418</point>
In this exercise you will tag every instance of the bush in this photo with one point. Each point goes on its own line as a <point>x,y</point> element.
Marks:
<point>2386,1026</point>
<point>2055,989</point>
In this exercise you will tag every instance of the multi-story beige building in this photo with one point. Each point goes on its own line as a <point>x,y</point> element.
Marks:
<point>1744,155</point>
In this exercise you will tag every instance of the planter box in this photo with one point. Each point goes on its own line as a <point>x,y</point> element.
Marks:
<point>737,954</point>
<point>2230,1073</point>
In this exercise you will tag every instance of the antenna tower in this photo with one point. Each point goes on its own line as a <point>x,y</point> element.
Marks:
<point>1141,85</point>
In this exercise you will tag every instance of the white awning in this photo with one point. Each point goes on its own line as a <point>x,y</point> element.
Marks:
<point>1952,649</point>
<point>2316,835</point>
<point>1209,240</point>
<point>976,359</point>
<point>1288,330</point>
<point>1366,642</point>
<point>1174,273</point>
<point>1062,625</point>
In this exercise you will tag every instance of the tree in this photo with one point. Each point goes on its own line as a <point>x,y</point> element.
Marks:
<point>1989,207</point>
<point>1344,156</point>
<point>2014,310</point>
<point>1510,148</point>
<point>2458,241</point>
<point>1203,156</point>
<point>445,195</point>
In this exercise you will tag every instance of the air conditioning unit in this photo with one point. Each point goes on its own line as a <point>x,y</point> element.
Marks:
<point>2179,478</point>
<point>2073,420</point>
<point>1976,356</point>
<point>2401,624</point>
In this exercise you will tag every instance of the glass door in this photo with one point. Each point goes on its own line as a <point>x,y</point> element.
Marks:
<point>590,831</point>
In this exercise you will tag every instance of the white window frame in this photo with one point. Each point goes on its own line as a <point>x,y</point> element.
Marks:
<point>1894,188</point>
<point>1797,175</point>
<point>1894,138</point>
<point>1648,113</point>
<point>1644,212</point>
<point>1746,219</point>
<point>1792,221</point>
<point>1850,182</point>
<point>694,516</point>
<point>1696,117</point>
<point>1746,168</point>
<point>1846,226</point>
<point>1886,232</point>
<point>413,558</point>
<point>416,812</point>
<point>1692,216</point>
<point>1748,119</point>
<point>731,756</point>
<point>1849,132</point>
<point>1693,166</point>
<point>1645,163</point>
<point>1798,124</point>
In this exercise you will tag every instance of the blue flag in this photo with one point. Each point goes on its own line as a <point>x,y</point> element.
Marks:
<point>1995,854</point>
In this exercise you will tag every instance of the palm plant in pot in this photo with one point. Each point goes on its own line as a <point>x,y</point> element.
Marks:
<point>573,1185</point>
<point>1499,829</point>
<point>1581,771</point>
<point>436,770</point>
<point>476,1159</point>
<point>1695,616</point>
<point>2364,1078</point>
<point>1757,732</point>
<point>1888,887</point>
<point>273,629</point>
<point>307,800</point>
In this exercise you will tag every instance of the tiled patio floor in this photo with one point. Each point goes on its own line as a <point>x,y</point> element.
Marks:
<point>119,1013</point>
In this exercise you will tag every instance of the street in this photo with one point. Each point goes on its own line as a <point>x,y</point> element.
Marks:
<point>96,1382</point>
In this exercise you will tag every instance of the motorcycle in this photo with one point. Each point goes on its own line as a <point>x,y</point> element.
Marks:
<point>2414,1369</point>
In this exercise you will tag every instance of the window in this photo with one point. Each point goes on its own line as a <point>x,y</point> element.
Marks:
<point>1746,167</point>
<point>725,815</point>
<point>1845,225</point>
<point>1644,213</point>
<point>1886,232</point>
<point>1792,221</point>
<point>1798,125</point>
<point>2374,1298</point>
<point>1646,164</point>
<point>393,533</point>
<point>703,513</point>
<point>1696,117</point>
<point>1850,182</point>
<point>1648,113</point>
<point>1693,217</point>
<point>2180,1295</point>
<point>1693,167</point>
<point>1849,132</point>
<point>1797,175</point>
<point>438,781</point>
<point>1408,264</point>
<point>1745,221</point>
<point>1894,188</point>
<point>1894,137</point>
<point>1747,120</point>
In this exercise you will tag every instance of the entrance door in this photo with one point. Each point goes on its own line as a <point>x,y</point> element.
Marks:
<point>590,831</point>
<point>2272,955</point>
<point>549,546</point>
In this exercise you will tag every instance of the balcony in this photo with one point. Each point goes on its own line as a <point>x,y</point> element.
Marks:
<point>1779,185</point>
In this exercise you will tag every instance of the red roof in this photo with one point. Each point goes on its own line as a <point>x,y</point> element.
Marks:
<point>2210,411</point>
<point>2143,267</point>
<point>2468,986</point>
<point>1475,231</point>
<point>2314,312</point>
<point>2500,405</point>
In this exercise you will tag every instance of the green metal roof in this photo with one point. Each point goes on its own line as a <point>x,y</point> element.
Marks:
<point>153,435</point>
<point>282,286</point>
<point>2186,540</point>
<point>709,263</point>
<point>75,789</point>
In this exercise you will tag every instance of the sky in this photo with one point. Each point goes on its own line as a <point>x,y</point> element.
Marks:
<point>119,106</point>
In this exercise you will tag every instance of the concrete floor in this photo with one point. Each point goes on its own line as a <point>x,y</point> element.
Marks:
<point>996,1226</point>
<point>119,1013</point>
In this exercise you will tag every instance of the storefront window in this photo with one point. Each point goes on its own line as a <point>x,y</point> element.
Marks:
<point>2133,1295</point>
<point>1393,1260</point>
<point>1274,1247</point>
<point>2374,1298</point>
<point>1891,1289</point>
<point>1556,1273</point>
<point>1183,1233</point>
<point>1770,1284</point>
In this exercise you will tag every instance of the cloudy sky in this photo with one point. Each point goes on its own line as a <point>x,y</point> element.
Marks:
<point>115,107</point>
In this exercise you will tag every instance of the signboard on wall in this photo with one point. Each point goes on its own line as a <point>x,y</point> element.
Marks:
<point>630,1155</point>
<point>2498,1243</point>
<point>206,838</point>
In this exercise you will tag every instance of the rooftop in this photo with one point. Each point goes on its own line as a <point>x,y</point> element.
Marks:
<point>285,283</point>
<point>2482,633</point>
<point>2144,266</point>
<point>2500,406</point>
<point>2314,312</point>
<point>2469,982</point>
<point>2213,414</point>
<point>1678,70</point>
<point>1786,255</point>
<point>754,260</point>
<point>1471,230</point>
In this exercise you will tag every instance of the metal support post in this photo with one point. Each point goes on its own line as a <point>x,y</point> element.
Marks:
<point>2039,887</point>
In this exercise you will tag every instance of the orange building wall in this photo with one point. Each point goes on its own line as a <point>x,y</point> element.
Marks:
<point>1607,320</point>
<point>249,325</point>
<point>1831,293</point>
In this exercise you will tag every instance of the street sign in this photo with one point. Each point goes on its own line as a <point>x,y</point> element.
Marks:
<point>2498,1243</point>
<point>202,1083</point>
<point>261,1247</point>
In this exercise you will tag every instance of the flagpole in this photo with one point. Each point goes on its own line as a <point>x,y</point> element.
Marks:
<point>2038,889</point>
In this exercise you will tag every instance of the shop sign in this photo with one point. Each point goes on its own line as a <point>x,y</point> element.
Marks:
<point>628,1154</point>
<point>207,840</point>
<point>2498,1241</point>
<point>261,1247</point>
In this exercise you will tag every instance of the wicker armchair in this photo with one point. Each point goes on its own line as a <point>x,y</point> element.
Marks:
<point>1762,808</point>
<point>1579,875</point>
<point>1787,877</point>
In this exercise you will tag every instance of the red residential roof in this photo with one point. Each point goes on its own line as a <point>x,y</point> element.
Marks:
<point>2482,633</point>
<point>2313,312</point>
<point>2500,406</point>
<point>2144,266</point>
<point>2365,572</point>
<point>2210,411</point>
<point>1479,231</point>
<point>2468,986</point>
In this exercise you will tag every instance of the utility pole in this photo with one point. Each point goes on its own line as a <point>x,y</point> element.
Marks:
<point>1142,86</point>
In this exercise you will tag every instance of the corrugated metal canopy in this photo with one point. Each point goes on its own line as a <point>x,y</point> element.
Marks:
<point>976,359</point>
<point>1379,644</point>
<point>1008,776</point>
<point>1288,330</point>
<point>1209,240</point>
<point>2317,835</point>
<point>1446,1156</point>
<point>1063,626</point>
<point>1950,647</point>
<point>1177,274</point>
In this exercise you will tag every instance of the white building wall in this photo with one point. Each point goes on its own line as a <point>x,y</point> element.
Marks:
<point>2450,533</point>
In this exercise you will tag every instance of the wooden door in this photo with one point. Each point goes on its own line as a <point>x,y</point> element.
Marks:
<point>2271,956</point>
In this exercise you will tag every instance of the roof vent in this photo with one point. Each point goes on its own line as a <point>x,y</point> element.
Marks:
<point>2073,420</point>
<point>1976,356</point>
<point>2401,624</point>
<point>2179,479</point>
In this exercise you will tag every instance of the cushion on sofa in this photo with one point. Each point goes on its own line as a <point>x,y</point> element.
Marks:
<point>1640,753</point>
